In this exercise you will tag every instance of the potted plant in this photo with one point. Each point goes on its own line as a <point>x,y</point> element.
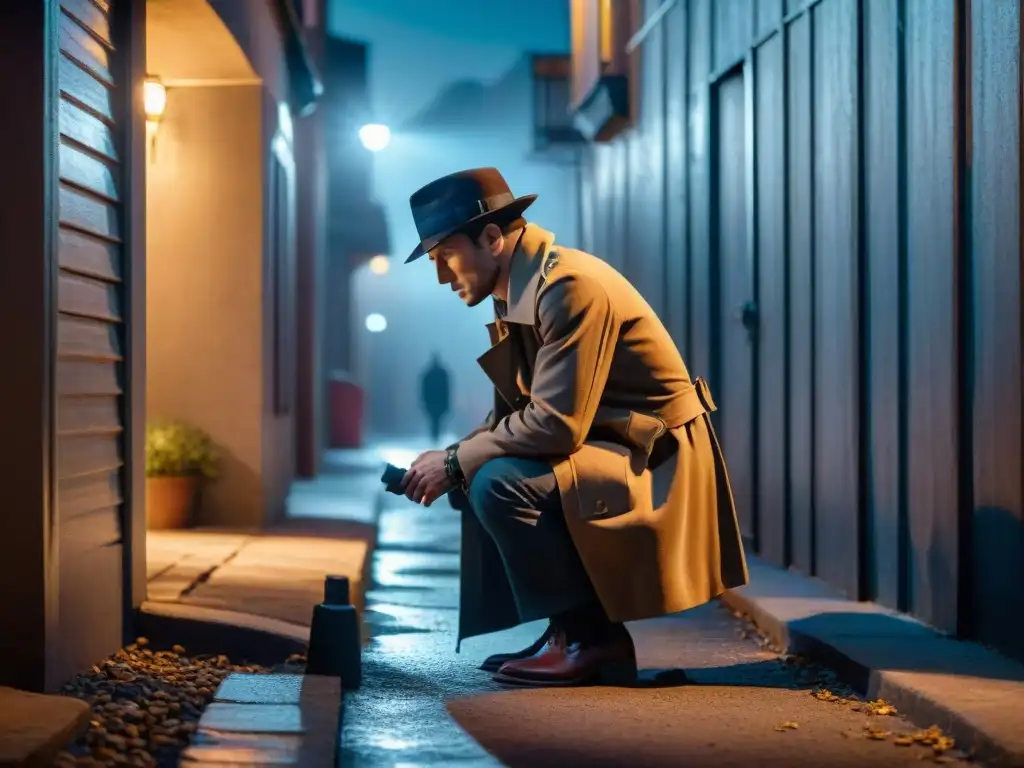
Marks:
<point>178,458</point>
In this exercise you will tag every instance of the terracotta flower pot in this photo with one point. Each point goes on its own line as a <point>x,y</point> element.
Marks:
<point>169,501</point>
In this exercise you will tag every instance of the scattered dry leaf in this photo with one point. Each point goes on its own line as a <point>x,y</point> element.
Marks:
<point>876,733</point>
<point>787,726</point>
<point>880,707</point>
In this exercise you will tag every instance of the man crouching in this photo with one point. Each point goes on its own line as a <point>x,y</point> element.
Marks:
<point>563,521</point>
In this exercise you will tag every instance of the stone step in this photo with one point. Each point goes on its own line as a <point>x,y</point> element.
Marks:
<point>34,727</point>
<point>277,719</point>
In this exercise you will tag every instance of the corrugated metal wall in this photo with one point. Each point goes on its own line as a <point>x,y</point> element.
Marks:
<point>822,199</point>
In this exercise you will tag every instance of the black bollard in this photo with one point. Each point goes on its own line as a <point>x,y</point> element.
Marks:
<point>335,648</point>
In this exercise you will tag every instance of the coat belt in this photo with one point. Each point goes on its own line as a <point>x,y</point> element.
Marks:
<point>694,402</point>
<point>642,430</point>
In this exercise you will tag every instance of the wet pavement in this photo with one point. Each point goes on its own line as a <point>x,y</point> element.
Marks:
<point>421,704</point>
<point>410,667</point>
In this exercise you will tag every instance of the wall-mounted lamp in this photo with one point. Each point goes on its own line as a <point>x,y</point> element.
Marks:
<point>154,101</point>
<point>154,97</point>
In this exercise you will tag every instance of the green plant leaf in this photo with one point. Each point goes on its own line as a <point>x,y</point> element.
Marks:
<point>175,449</point>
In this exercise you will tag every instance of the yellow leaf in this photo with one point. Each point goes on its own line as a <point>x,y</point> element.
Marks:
<point>872,732</point>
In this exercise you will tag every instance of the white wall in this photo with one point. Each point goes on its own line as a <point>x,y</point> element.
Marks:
<point>477,69</point>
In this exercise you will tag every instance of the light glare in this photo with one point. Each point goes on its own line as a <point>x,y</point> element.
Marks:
<point>375,136</point>
<point>376,323</point>
<point>154,98</point>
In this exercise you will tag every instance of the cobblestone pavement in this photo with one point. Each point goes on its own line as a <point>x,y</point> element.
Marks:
<point>423,705</point>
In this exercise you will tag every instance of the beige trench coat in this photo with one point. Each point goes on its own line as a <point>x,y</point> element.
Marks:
<point>587,377</point>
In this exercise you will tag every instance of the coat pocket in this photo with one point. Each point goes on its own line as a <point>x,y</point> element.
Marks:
<point>603,479</point>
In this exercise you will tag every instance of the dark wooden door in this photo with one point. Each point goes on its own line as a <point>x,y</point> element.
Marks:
<point>734,272</point>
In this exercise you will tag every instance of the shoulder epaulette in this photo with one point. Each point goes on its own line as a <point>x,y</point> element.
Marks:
<point>550,261</point>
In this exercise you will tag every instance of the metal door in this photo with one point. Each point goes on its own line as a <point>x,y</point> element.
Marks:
<point>736,313</point>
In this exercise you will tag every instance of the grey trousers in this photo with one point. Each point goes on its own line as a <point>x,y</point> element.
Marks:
<point>518,504</point>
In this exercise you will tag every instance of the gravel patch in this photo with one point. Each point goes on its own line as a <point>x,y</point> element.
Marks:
<point>146,704</point>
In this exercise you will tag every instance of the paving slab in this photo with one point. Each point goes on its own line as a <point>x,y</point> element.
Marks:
<point>252,718</point>
<point>244,749</point>
<point>35,727</point>
<point>281,577</point>
<point>170,588</point>
<point>279,719</point>
<point>185,557</point>
<point>279,689</point>
<point>299,552</point>
<point>212,546</point>
<point>971,692</point>
<point>278,573</point>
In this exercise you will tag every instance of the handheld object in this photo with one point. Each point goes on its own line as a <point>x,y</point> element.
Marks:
<point>392,479</point>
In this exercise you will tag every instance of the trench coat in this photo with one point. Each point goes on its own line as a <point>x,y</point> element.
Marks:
<point>587,377</point>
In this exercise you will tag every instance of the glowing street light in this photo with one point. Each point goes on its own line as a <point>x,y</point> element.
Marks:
<point>375,136</point>
<point>376,323</point>
<point>380,265</point>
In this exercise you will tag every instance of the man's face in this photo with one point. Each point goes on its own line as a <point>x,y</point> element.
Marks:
<point>470,268</point>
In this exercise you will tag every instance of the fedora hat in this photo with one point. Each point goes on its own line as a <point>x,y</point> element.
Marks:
<point>478,197</point>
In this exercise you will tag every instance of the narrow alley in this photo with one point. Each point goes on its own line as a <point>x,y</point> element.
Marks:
<point>713,311</point>
<point>736,704</point>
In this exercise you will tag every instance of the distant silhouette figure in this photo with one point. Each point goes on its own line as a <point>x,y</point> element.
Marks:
<point>435,395</point>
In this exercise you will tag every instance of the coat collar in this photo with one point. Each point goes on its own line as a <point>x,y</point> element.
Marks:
<point>525,276</point>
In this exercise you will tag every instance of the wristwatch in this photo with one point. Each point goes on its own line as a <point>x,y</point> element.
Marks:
<point>452,467</point>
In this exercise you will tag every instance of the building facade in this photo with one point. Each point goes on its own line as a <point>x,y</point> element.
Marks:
<point>147,269</point>
<point>358,227</point>
<point>822,199</point>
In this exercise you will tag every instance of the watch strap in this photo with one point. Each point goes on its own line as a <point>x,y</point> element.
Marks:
<point>452,468</point>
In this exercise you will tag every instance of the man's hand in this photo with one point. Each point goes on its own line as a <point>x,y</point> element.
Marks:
<point>426,481</point>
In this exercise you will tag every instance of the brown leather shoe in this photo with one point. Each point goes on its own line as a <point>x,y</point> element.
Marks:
<point>493,663</point>
<point>561,662</point>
